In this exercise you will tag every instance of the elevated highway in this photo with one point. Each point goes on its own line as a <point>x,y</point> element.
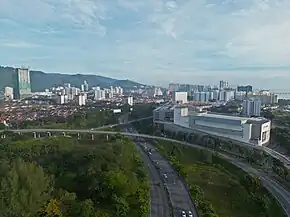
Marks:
<point>284,159</point>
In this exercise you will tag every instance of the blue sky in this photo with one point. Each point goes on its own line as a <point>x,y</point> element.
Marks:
<point>151,41</point>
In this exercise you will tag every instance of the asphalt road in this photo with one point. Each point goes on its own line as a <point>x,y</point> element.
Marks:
<point>159,204</point>
<point>282,195</point>
<point>178,194</point>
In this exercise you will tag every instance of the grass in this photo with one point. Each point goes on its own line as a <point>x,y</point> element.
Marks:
<point>221,182</point>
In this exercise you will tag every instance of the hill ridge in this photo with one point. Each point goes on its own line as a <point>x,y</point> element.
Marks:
<point>41,80</point>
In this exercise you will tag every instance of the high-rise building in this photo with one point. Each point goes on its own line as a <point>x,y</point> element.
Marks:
<point>67,85</point>
<point>22,86</point>
<point>82,88</point>
<point>82,99</point>
<point>8,93</point>
<point>179,97</point>
<point>118,91</point>
<point>157,91</point>
<point>247,88</point>
<point>240,95</point>
<point>223,85</point>
<point>62,99</point>
<point>72,92</point>
<point>251,107</point>
<point>86,86</point>
<point>130,101</point>
<point>100,94</point>
<point>173,87</point>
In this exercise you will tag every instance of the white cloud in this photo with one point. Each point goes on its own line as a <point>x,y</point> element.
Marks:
<point>183,39</point>
<point>79,13</point>
<point>17,44</point>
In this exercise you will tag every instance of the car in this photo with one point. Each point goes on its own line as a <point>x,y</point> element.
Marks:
<point>165,175</point>
<point>183,214</point>
<point>190,214</point>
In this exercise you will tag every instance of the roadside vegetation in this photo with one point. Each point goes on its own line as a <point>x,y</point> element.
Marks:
<point>65,177</point>
<point>257,158</point>
<point>218,187</point>
<point>280,134</point>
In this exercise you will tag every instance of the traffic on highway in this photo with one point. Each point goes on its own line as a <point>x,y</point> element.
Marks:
<point>181,203</point>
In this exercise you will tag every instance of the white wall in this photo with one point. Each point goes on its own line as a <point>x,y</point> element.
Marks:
<point>179,112</point>
<point>180,97</point>
<point>265,132</point>
<point>219,125</point>
<point>247,132</point>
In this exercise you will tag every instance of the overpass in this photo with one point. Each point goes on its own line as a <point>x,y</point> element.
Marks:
<point>282,195</point>
<point>98,130</point>
<point>120,124</point>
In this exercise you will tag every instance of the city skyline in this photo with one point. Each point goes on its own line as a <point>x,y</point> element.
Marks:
<point>152,42</point>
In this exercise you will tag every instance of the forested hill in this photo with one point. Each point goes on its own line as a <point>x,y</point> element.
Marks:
<point>66,177</point>
<point>41,80</point>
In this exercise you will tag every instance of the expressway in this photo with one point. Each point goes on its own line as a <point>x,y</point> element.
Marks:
<point>120,124</point>
<point>159,204</point>
<point>282,195</point>
<point>177,192</point>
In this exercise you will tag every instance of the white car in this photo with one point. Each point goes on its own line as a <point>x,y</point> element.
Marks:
<point>183,214</point>
<point>165,175</point>
<point>190,214</point>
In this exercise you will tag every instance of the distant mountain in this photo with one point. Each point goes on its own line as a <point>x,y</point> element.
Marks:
<point>41,80</point>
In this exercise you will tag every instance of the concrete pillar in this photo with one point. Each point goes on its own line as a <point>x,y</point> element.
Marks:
<point>107,137</point>
<point>93,137</point>
<point>39,135</point>
<point>34,135</point>
<point>79,136</point>
<point>49,134</point>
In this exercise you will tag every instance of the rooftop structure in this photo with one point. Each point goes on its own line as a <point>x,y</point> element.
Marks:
<point>254,131</point>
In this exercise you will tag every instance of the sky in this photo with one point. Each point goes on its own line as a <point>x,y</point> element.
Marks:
<point>151,41</point>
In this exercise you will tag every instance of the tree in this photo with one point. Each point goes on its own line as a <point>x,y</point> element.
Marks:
<point>24,188</point>
<point>252,184</point>
<point>121,206</point>
<point>2,126</point>
<point>89,180</point>
<point>197,193</point>
<point>205,156</point>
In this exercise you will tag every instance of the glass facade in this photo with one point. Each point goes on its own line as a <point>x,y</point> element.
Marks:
<point>22,84</point>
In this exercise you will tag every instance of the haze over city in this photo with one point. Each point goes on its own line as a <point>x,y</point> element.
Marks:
<point>153,41</point>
